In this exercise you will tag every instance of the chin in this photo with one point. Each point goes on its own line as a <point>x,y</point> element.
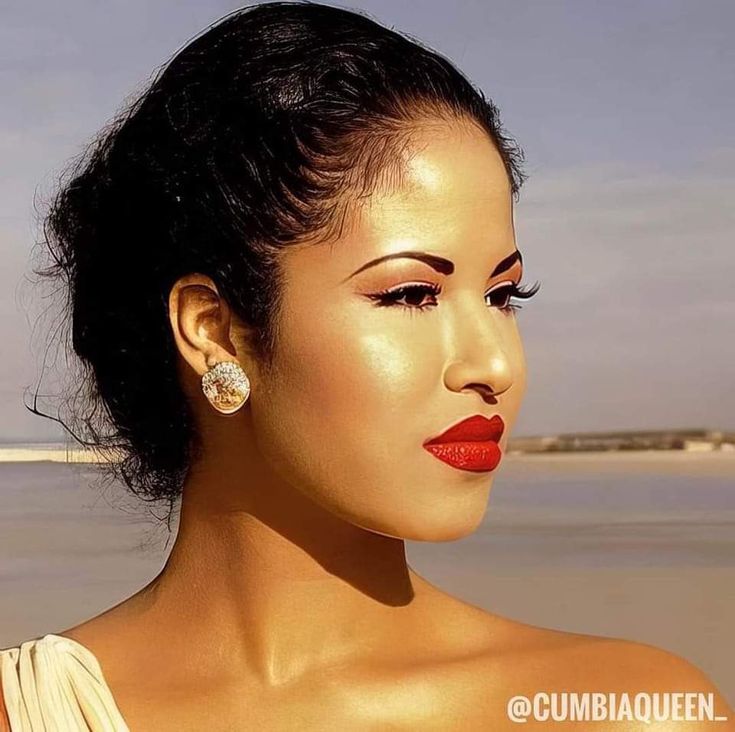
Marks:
<point>440,523</point>
<point>445,530</point>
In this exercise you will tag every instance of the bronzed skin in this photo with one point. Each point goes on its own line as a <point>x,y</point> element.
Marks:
<point>287,601</point>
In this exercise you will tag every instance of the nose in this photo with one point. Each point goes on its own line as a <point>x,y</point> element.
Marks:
<point>484,365</point>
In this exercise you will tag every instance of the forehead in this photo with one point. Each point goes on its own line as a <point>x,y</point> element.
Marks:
<point>450,195</point>
<point>452,180</point>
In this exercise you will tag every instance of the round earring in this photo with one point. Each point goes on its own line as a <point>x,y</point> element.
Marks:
<point>226,386</point>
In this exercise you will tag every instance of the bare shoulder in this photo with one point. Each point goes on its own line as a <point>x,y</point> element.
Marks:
<point>528,659</point>
<point>498,658</point>
<point>579,658</point>
<point>486,660</point>
<point>627,663</point>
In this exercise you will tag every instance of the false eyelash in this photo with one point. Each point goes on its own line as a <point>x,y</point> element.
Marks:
<point>521,294</point>
<point>388,298</point>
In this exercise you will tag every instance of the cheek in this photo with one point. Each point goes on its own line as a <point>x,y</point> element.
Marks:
<point>345,404</point>
<point>350,371</point>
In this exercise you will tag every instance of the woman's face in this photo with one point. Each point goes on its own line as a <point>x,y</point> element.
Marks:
<point>362,380</point>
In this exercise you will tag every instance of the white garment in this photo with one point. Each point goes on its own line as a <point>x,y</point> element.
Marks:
<point>55,684</point>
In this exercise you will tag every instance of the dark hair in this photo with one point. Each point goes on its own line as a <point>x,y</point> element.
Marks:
<point>258,134</point>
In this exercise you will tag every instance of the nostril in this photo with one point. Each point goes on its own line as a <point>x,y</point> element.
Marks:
<point>483,387</point>
<point>486,392</point>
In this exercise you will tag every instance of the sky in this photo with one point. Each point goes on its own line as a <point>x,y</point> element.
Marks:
<point>624,110</point>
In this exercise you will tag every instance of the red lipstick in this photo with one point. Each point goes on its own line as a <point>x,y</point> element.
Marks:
<point>472,444</point>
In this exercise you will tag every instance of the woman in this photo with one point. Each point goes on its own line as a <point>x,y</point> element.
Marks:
<point>292,272</point>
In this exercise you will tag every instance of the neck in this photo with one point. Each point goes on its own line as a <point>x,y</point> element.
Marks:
<point>273,585</point>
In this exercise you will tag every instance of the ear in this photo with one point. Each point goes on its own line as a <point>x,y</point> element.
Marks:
<point>200,320</point>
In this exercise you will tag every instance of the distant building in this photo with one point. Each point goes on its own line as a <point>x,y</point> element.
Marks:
<point>692,440</point>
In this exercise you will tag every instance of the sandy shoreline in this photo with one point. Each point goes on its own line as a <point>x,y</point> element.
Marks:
<point>681,455</point>
<point>47,454</point>
<point>56,453</point>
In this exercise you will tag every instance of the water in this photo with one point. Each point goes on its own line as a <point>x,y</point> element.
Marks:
<point>613,512</point>
<point>631,545</point>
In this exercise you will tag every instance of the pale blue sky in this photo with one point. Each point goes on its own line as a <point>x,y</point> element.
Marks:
<point>625,111</point>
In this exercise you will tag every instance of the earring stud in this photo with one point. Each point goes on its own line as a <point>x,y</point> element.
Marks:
<point>226,386</point>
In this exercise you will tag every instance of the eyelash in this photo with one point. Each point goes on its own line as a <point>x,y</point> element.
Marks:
<point>390,298</point>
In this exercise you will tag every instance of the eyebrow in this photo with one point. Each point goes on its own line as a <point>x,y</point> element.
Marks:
<point>440,264</point>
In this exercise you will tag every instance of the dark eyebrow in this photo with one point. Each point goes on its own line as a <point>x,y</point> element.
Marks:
<point>507,263</point>
<point>444,266</point>
<point>441,265</point>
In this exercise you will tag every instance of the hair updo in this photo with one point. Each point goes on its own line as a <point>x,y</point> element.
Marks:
<point>255,136</point>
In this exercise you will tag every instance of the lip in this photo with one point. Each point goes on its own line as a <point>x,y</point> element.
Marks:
<point>476,428</point>
<point>471,444</point>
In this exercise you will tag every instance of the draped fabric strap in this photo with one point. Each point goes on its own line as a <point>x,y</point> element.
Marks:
<point>55,684</point>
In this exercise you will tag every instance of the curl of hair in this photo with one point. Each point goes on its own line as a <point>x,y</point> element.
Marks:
<point>258,134</point>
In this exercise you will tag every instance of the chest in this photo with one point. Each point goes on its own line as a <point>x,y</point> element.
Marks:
<point>452,699</point>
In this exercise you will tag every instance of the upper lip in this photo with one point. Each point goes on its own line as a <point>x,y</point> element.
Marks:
<point>472,429</point>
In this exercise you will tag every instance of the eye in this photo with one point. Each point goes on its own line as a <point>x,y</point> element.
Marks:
<point>500,296</point>
<point>414,296</point>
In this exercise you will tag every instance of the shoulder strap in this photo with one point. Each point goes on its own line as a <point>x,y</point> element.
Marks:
<point>56,683</point>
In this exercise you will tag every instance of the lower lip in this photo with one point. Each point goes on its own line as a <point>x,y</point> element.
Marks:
<point>475,456</point>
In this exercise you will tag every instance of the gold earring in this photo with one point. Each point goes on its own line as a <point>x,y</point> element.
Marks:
<point>226,386</point>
